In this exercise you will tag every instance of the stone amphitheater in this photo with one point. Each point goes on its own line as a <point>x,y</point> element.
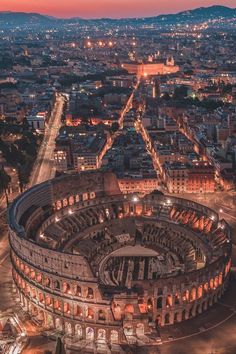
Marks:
<point>104,268</point>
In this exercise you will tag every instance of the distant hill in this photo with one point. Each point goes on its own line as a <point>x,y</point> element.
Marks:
<point>15,19</point>
<point>201,13</point>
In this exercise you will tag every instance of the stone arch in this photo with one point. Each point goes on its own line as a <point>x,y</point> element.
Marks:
<point>68,328</point>
<point>22,267</point>
<point>167,318</point>
<point>66,288</point>
<point>149,304</point>
<point>90,294</point>
<point>114,336</point>
<point>57,304</point>
<point>129,308</point>
<point>48,300</point>
<point>140,329</point>
<point>41,297</point>
<point>27,289</point>
<point>57,284</point>
<point>66,307</point>
<point>186,295</point>
<point>90,313</point>
<point>58,324</point>
<point>206,288</point>
<point>78,311</point>
<point>199,292</point>
<point>41,316</point>
<point>58,205</point>
<point>211,283</point>
<point>78,291</point>
<point>49,320</point>
<point>169,301</point>
<point>89,333</point>
<point>117,311</point>
<point>32,274</point>
<point>177,297</point>
<point>220,278</point>
<point>27,270</point>
<point>65,202</point>
<point>101,335</point>
<point>129,311</point>
<point>128,329</point>
<point>39,277</point>
<point>71,200</point>
<point>34,311</point>
<point>101,315</point>
<point>78,331</point>
<point>216,282</point>
<point>85,196</point>
<point>30,307</point>
<point>193,294</point>
<point>47,282</point>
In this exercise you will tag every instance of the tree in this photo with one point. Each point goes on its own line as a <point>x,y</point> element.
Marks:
<point>189,72</point>
<point>180,92</point>
<point>114,127</point>
<point>5,179</point>
<point>23,172</point>
<point>166,96</point>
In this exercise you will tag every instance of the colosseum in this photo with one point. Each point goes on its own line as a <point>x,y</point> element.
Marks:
<point>104,268</point>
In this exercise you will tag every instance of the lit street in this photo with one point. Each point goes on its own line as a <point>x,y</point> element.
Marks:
<point>42,171</point>
<point>117,177</point>
<point>44,165</point>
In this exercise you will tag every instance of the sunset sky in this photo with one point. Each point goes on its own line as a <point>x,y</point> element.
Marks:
<point>106,8</point>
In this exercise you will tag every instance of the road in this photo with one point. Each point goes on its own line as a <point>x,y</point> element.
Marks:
<point>128,105</point>
<point>43,170</point>
<point>44,166</point>
<point>125,110</point>
<point>221,321</point>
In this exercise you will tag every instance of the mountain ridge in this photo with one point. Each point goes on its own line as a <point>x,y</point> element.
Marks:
<point>11,18</point>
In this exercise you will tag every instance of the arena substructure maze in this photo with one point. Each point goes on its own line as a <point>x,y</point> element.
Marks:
<point>98,265</point>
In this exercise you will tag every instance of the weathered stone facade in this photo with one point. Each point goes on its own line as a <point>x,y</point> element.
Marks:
<point>95,264</point>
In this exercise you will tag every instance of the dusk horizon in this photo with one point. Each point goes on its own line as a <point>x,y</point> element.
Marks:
<point>107,9</point>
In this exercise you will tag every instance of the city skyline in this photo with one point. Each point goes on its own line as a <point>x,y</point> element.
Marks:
<point>117,176</point>
<point>107,8</point>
